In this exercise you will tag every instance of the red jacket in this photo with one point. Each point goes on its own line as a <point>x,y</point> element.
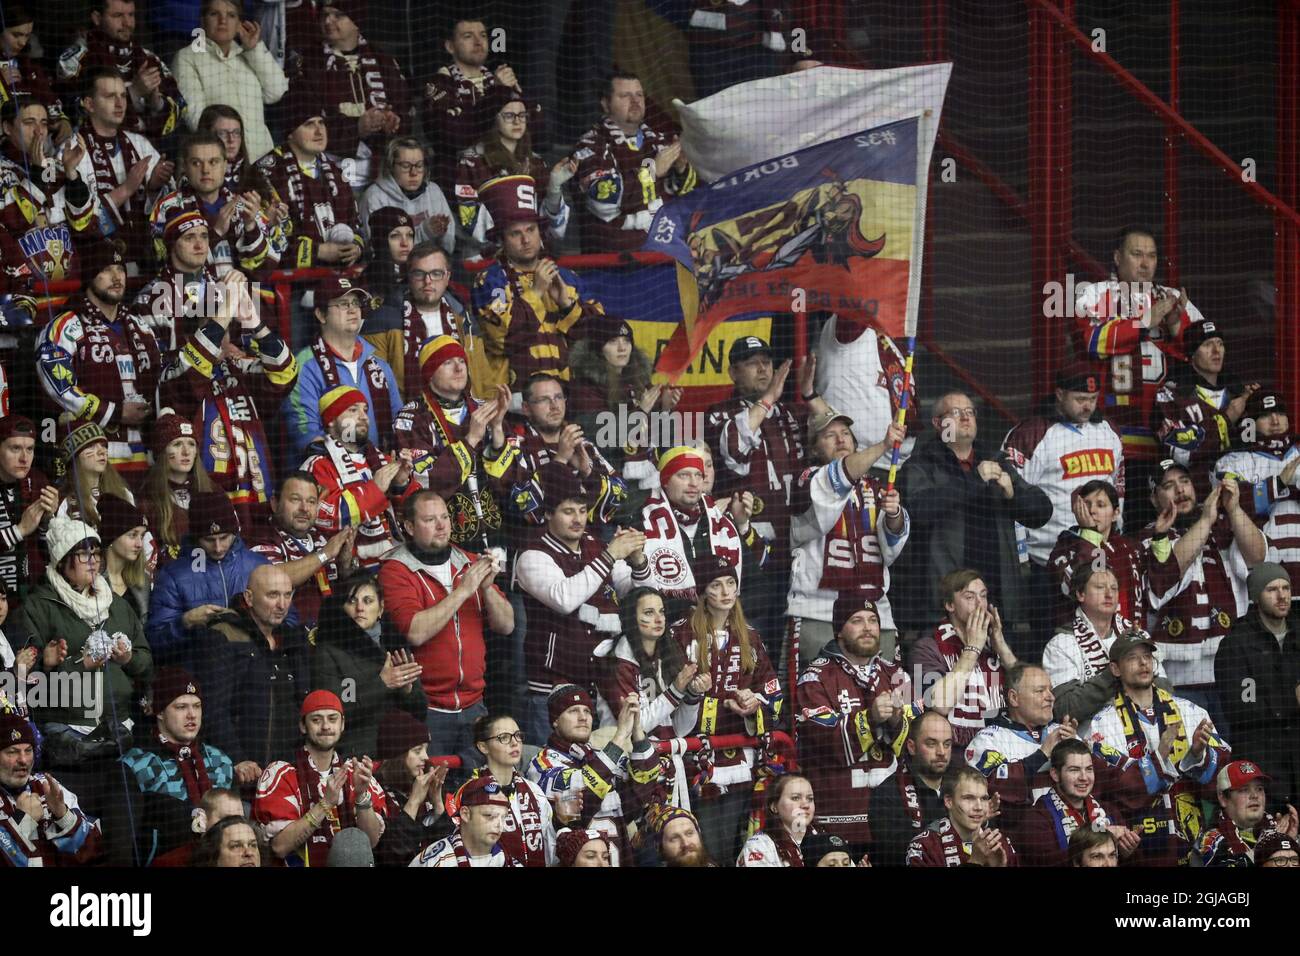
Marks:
<point>454,659</point>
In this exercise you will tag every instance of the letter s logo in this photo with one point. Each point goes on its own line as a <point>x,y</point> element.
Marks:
<point>527,196</point>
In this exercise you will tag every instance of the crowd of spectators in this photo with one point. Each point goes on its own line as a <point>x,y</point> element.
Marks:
<point>260,577</point>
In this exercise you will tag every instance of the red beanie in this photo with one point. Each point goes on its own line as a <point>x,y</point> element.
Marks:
<point>569,843</point>
<point>566,696</point>
<point>320,700</point>
<point>337,401</point>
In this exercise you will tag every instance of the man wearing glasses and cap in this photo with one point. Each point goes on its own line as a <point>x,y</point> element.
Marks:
<point>476,840</point>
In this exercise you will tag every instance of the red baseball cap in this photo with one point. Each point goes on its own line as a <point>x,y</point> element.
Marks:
<point>1238,774</point>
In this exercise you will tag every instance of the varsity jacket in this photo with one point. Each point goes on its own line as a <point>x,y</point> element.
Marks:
<point>941,845</point>
<point>350,83</point>
<point>91,366</point>
<point>571,607</point>
<point>245,246</point>
<point>525,331</point>
<point>454,659</point>
<point>844,756</point>
<point>1274,504</point>
<point>363,370</point>
<point>840,542</point>
<point>473,170</point>
<point>1077,660</point>
<point>72,840</point>
<point>1076,547</point>
<point>1192,609</point>
<point>321,205</point>
<point>1168,814</point>
<point>226,399</point>
<point>458,110</point>
<point>1136,359</point>
<point>42,219</point>
<point>1044,833</point>
<point>435,431</point>
<point>1060,457</point>
<point>350,497</point>
<point>616,178</point>
<point>128,59</point>
<point>765,461</point>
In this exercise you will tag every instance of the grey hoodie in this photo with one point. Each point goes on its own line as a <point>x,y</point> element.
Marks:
<point>384,191</point>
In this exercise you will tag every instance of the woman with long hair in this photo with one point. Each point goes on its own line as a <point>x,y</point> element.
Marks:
<point>124,533</point>
<point>789,809</point>
<point>416,817</point>
<point>528,833</point>
<point>645,660</point>
<point>507,150</point>
<point>359,652</point>
<point>744,697</point>
<point>176,475</point>
<point>90,474</point>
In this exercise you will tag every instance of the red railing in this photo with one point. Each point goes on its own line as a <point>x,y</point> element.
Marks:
<point>783,742</point>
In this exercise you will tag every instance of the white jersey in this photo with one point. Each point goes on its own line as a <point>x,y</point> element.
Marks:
<point>443,854</point>
<point>759,850</point>
<point>1059,458</point>
<point>1273,498</point>
<point>1107,728</point>
<point>853,379</point>
<point>1076,653</point>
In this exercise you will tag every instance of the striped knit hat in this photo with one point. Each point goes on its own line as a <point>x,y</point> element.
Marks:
<point>675,459</point>
<point>180,222</point>
<point>337,401</point>
<point>82,437</point>
<point>437,350</point>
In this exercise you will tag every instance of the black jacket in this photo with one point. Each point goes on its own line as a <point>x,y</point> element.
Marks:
<point>347,661</point>
<point>1256,682</point>
<point>251,692</point>
<point>891,825</point>
<point>961,521</point>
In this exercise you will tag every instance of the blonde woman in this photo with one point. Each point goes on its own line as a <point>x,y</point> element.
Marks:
<point>90,474</point>
<point>176,475</point>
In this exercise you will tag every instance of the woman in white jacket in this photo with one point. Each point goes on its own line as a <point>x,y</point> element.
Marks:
<point>229,64</point>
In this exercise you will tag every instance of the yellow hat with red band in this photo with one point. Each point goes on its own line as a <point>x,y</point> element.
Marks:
<point>438,350</point>
<point>338,400</point>
<point>675,459</point>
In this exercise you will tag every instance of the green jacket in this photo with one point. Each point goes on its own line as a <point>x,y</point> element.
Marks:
<point>47,618</point>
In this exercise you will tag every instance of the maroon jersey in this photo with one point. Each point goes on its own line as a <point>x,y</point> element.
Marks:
<point>842,753</point>
<point>128,60</point>
<point>765,462</point>
<point>941,845</point>
<point>279,547</point>
<point>34,82</point>
<point>459,108</point>
<point>41,221</point>
<point>980,699</point>
<point>350,83</point>
<point>1118,553</point>
<point>616,177</point>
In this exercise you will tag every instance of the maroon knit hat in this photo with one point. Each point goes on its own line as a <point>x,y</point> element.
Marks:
<point>212,513</point>
<point>352,9</point>
<point>166,429</point>
<point>96,256</point>
<point>849,603</point>
<point>300,105</point>
<point>168,684</point>
<point>566,696</point>
<point>382,222</point>
<point>16,426</point>
<point>608,329</point>
<point>117,516</point>
<point>569,843</point>
<point>15,730</point>
<point>398,733</point>
<point>708,567</point>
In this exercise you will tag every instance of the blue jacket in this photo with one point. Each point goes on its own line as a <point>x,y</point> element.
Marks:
<point>187,583</point>
<point>302,407</point>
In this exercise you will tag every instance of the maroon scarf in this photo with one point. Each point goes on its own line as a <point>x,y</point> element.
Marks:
<point>311,787</point>
<point>364,69</point>
<point>523,807</point>
<point>413,339</point>
<point>375,375</point>
<point>296,199</point>
<point>1234,842</point>
<point>102,150</point>
<point>911,802</point>
<point>951,843</point>
<point>189,757</point>
<point>1072,819</point>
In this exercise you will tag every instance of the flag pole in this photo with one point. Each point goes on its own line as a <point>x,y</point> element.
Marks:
<point>901,418</point>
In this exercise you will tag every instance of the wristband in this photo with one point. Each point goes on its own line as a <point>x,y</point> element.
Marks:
<point>809,397</point>
<point>765,403</point>
<point>320,556</point>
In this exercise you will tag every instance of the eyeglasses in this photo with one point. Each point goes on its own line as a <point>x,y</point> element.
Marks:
<point>505,739</point>
<point>230,134</point>
<point>520,117</point>
<point>409,167</point>
<point>87,557</point>
<point>959,413</point>
<point>433,275</point>
<point>547,400</point>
